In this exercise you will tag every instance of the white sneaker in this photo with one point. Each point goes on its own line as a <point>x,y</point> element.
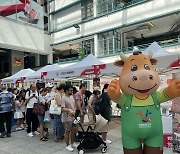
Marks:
<point>108,141</point>
<point>75,145</point>
<point>19,128</point>
<point>36,133</point>
<point>69,148</point>
<point>30,135</point>
<point>22,125</point>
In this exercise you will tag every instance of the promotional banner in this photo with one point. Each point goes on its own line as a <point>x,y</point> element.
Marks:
<point>27,11</point>
<point>90,65</point>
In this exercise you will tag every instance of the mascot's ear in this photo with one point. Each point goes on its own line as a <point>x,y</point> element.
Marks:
<point>153,61</point>
<point>119,63</point>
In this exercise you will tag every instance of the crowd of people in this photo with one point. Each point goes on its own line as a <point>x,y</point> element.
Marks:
<point>19,104</point>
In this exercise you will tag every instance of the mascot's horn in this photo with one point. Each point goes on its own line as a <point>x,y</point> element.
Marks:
<point>123,56</point>
<point>150,54</point>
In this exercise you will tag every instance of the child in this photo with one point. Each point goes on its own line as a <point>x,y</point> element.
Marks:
<point>23,107</point>
<point>18,114</point>
<point>41,100</point>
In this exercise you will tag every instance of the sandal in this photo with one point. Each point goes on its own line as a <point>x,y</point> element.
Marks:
<point>43,139</point>
<point>46,137</point>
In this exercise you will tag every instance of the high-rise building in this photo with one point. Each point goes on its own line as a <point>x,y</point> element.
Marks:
<point>24,39</point>
<point>107,27</point>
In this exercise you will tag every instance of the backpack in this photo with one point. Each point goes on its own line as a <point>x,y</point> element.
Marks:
<point>29,92</point>
<point>100,106</point>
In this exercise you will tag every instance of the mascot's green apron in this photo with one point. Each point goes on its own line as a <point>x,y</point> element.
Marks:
<point>141,123</point>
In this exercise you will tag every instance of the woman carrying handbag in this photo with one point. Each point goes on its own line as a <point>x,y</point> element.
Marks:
<point>41,100</point>
<point>58,125</point>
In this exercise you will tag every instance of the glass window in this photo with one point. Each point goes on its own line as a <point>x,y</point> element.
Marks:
<point>29,62</point>
<point>88,47</point>
<point>87,9</point>
<point>106,6</point>
<point>6,67</point>
<point>109,43</point>
<point>45,23</point>
<point>43,60</point>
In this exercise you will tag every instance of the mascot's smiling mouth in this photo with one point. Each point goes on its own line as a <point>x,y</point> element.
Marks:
<point>142,91</point>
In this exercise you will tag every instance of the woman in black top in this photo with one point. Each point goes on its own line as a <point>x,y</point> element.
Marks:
<point>106,112</point>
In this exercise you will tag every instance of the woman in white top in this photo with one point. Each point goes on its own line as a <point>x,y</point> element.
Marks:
<point>18,114</point>
<point>58,125</point>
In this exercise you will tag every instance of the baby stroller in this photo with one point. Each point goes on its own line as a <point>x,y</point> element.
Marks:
<point>90,132</point>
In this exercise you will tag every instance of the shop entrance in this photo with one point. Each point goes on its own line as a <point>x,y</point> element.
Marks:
<point>4,63</point>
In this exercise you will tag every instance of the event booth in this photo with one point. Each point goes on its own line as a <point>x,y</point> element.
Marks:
<point>103,68</point>
<point>38,75</point>
<point>18,77</point>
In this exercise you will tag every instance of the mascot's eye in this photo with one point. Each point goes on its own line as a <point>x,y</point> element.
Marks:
<point>134,68</point>
<point>151,77</point>
<point>146,66</point>
<point>134,78</point>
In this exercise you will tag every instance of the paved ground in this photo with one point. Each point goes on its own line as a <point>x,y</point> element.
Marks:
<point>19,143</point>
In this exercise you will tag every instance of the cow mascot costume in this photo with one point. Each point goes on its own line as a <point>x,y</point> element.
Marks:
<point>136,92</point>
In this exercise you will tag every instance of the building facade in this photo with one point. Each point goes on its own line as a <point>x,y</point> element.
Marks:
<point>24,37</point>
<point>107,27</point>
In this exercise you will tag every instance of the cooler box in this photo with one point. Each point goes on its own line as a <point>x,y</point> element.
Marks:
<point>167,131</point>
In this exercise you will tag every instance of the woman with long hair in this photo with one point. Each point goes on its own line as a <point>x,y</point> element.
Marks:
<point>41,100</point>
<point>58,125</point>
<point>92,99</point>
<point>106,113</point>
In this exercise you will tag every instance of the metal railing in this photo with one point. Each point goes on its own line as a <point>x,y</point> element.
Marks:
<point>67,60</point>
<point>70,60</point>
<point>112,48</point>
<point>103,7</point>
<point>108,6</point>
<point>108,46</point>
<point>87,11</point>
<point>116,51</point>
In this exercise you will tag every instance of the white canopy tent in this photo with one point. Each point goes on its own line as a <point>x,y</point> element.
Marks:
<point>92,65</point>
<point>21,76</point>
<point>39,75</point>
<point>87,66</point>
<point>165,59</point>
